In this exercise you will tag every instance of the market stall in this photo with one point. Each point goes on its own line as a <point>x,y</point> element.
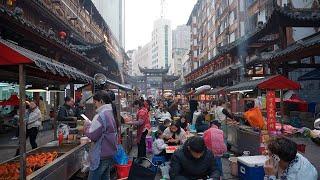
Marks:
<point>262,91</point>
<point>48,162</point>
<point>20,65</point>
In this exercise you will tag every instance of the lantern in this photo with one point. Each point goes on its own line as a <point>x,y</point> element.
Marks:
<point>10,2</point>
<point>62,34</point>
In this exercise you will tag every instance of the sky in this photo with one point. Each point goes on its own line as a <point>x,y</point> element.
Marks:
<point>140,15</point>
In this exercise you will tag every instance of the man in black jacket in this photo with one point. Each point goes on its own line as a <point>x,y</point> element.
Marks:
<point>193,105</point>
<point>67,113</point>
<point>193,161</point>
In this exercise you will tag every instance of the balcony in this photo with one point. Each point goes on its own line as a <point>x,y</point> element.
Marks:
<point>77,18</point>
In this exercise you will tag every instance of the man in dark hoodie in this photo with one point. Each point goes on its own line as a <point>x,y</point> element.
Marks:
<point>193,161</point>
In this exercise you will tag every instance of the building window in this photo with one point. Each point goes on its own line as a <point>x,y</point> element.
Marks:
<point>194,19</point>
<point>231,18</point>
<point>195,53</point>
<point>232,37</point>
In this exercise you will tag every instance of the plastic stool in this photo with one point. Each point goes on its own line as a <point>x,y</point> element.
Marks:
<point>157,160</point>
<point>149,144</point>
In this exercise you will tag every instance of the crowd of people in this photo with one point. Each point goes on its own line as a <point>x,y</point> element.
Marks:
<point>200,157</point>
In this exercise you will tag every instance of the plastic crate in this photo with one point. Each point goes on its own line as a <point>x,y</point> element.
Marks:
<point>251,167</point>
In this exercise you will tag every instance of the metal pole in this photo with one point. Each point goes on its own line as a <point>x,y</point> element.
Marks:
<point>118,113</point>
<point>281,108</point>
<point>55,108</point>
<point>22,126</point>
<point>72,94</point>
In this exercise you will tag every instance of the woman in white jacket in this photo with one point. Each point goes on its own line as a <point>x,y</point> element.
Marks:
<point>158,146</point>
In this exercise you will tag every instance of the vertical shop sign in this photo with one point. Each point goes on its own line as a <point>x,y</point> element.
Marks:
<point>271,110</point>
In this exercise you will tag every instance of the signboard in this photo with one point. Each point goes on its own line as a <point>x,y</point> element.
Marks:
<point>271,110</point>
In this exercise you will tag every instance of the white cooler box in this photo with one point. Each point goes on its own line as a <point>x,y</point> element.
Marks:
<point>251,167</point>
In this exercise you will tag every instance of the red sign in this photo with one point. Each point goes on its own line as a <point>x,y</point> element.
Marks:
<point>202,97</point>
<point>271,110</point>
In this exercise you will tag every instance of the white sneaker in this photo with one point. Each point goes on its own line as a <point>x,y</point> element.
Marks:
<point>14,138</point>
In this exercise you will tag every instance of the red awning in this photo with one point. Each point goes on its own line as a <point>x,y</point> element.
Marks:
<point>276,82</point>
<point>12,101</point>
<point>9,56</point>
<point>279,82</point>
<point>13,54</point>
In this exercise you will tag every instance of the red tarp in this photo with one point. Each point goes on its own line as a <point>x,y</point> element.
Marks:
<point>8,56</point>
<point>279,82</point>
<point>302,105</point>
<point>12,101</point>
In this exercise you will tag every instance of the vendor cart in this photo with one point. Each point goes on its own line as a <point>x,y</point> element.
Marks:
<point>245,138</point>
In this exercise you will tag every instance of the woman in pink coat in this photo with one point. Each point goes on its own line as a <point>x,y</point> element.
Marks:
<point>214,140</point>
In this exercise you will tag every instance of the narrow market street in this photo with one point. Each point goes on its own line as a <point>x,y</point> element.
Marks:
<point>159,89</point>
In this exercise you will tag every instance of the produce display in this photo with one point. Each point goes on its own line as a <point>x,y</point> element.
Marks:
<point>171,149</point>
<point>10,170</point>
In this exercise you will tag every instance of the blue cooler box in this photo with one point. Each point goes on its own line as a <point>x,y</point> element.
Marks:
<point>251,167</point>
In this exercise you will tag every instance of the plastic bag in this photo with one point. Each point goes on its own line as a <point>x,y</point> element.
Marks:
<point>165,171</point>
<point>85,162</point>
<point>120,157</point>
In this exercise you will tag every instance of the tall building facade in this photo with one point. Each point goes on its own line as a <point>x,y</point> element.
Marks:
<point>142,58</point>
<point>112,12</point>
<point>214,24</point>
<point>180,45</point>
<point>161,45</point>
<point>181,37</point>
<point>130,54</point>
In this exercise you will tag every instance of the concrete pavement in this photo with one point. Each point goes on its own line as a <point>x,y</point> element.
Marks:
<point>5,139</point>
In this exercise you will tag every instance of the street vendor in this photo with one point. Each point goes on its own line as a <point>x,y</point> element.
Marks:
<point>174,135</point>
<point>143,124</point>
<point>253,116</point>
<point>221,113</point>
<point>66,112</point>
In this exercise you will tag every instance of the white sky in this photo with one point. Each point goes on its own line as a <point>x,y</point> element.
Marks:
<point>140,15</point>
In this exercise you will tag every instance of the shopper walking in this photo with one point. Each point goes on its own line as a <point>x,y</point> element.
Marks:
<point>33,124</point>
<point>193,106</point>
<point>102,131</point>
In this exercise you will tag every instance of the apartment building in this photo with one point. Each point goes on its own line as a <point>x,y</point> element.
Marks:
<point>214,25</point>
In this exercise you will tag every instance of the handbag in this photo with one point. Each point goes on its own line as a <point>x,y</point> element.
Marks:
<point>139,172</point>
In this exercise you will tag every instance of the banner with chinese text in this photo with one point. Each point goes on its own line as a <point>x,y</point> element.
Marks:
<point>271,110</point>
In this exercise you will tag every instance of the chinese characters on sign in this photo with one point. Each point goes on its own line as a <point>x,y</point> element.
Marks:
<point>271,110</point>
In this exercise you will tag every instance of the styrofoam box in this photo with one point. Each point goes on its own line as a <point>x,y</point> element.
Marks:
<point>251,167</point>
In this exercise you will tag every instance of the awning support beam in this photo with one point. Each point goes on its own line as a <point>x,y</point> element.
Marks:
<point>22,128</point>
